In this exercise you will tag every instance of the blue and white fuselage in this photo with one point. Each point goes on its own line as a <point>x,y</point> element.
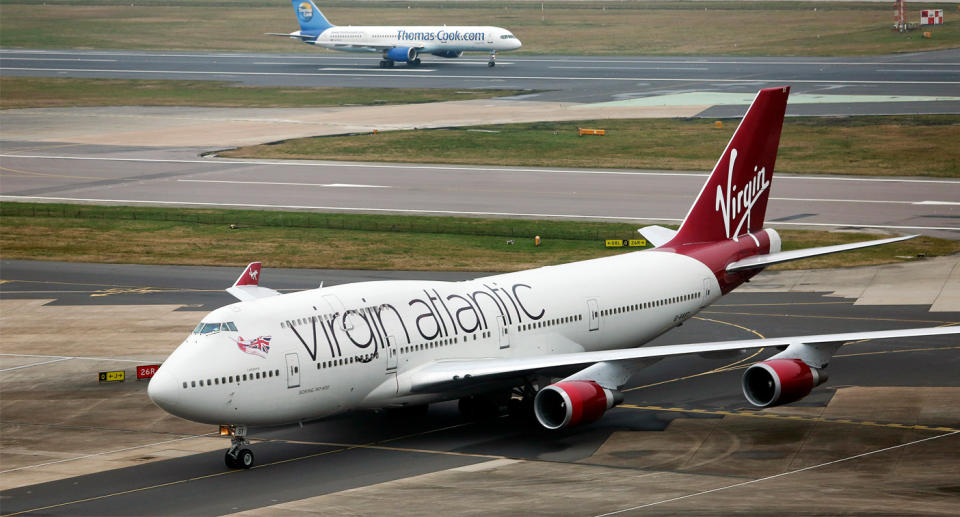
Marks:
<point>400,43</point>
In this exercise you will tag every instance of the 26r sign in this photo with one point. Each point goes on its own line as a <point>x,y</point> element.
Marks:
<point>146,371</point>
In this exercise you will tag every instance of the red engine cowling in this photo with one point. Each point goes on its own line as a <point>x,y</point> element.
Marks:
<point>569,403</point>
<point>780,381</point>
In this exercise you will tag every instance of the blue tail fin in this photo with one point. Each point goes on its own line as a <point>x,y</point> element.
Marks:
<point>312,21</point>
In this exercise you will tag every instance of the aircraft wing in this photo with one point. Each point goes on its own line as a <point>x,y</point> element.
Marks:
<point>460,374</point>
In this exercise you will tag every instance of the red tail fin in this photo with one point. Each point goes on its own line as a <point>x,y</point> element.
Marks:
<point>734,199</point>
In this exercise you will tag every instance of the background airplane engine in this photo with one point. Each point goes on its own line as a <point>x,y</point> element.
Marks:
<point>448,53</point>
<point>402,54</point>
<point>780,381</point>
<point>569,403</point>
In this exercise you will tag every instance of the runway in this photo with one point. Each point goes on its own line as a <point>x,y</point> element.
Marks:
<point>627,451</point>
<point>918,83</point>
<point>147,176</point>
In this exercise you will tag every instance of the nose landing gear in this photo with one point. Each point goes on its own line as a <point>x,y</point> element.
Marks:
<point>238,456</point>
<point>493,59</point>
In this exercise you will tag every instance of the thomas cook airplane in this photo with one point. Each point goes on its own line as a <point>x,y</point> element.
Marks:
<point>557,341</point>
<point>399,43</point>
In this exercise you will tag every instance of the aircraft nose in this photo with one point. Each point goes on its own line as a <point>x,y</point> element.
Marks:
<point>162,390</point>
<point>517,44</point>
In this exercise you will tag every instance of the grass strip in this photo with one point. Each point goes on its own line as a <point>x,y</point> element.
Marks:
<point>908,145</point>
<point>565,28</point>
<point>147,235</point>
<point>46,92</point>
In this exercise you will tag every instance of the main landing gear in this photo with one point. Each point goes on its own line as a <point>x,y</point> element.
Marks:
<point>238,456</point>
<point>386,63</point>
<point>493,59</point>
<point>414,63</point>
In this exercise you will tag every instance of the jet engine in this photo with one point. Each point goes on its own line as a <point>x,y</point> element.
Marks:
<point>780,381</point>
<point>402,54</point>
<point>448,53</point>
<point>569,403</point>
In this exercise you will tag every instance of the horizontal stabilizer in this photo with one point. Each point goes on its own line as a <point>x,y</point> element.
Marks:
<point>770,259</point>
<point>657,235</point>
<point>294,35</point>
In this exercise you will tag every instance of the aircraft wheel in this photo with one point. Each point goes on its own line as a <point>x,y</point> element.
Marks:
<point>245,459</point>
<point>414,63</point>
<point>231,462</point>
<point>492,64</point>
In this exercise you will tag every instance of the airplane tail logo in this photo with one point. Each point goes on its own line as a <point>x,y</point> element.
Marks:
<point>305,11</point>
<point>312,21</point>
<point>733,202</point>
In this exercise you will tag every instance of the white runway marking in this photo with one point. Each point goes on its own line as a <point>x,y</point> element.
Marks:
<point>79,358</point>
<point>702,68</point>
<point>948,203</point>
<point>782,474</point>
<point>515,77</point>
<point>449,212</point>
<point>55,59</point>
<point>35,364</point>
<point>781,177</point>
<point>283,183</point>
<point>821,200</point>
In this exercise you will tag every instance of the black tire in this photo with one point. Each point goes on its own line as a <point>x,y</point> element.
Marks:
<point>230,461</point>
<point>492,64</point>
<point>245,459</point>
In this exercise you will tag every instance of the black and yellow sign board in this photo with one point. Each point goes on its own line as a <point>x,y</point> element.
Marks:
<point>117,376</point>
<point>622,243</point>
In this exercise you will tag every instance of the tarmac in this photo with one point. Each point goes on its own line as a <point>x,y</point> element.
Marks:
<point>219,128</point>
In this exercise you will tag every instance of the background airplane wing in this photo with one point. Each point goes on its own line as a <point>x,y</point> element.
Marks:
<point>459,374</point>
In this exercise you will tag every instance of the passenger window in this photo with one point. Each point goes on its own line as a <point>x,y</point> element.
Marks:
<point>244,376</point>
<point>184,384</point>
<point>193,384</point>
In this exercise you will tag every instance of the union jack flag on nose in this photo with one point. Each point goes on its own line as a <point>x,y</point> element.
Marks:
<point>259,346</point>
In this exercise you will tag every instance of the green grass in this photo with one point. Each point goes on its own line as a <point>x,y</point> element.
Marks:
<point>626,27</point>
<point>147,235</point>
<point>875,145</point>
<point>35,92</point>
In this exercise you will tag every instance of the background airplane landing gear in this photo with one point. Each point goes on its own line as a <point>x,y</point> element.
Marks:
<point>493,59</point>
<point>414,63</point>
<point>386,63</point>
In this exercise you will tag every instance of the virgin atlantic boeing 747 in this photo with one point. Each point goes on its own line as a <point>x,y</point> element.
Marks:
<point>566,338</point>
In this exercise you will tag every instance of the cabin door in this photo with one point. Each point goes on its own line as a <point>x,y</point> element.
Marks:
<point>593,310</point>
<point>293,370</point>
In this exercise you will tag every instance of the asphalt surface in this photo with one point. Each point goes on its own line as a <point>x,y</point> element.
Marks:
<point>561,78</point>
<point>138,176</point>
<point>324,456</point>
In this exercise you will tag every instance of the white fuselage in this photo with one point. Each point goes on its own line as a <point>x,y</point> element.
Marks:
<point>339,348</point>
<point>427,39</point>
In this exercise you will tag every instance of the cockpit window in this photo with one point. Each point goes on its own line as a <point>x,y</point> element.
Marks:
<point>210,328</point>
